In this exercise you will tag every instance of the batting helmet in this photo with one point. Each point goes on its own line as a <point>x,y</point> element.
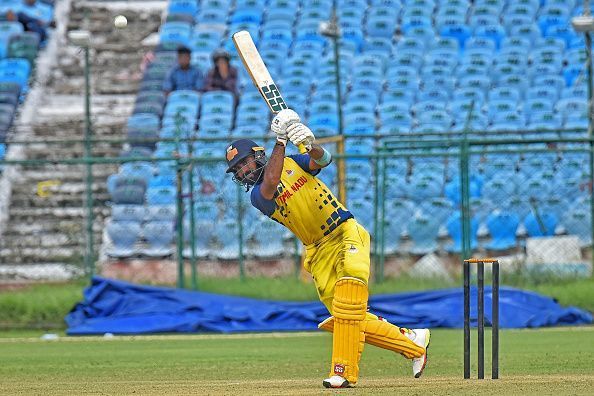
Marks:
<point>240,150</point>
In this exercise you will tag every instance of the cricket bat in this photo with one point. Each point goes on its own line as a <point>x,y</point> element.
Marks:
<point>259,73</point>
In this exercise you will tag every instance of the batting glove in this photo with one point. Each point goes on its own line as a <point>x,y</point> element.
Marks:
<point>300,134</point>
<point>281,121</point>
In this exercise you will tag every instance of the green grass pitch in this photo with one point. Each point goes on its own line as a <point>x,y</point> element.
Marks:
<point>532,362</point>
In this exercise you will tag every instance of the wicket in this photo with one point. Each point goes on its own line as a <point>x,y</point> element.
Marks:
<point>481,317</point>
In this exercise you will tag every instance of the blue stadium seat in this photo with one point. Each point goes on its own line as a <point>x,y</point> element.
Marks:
<point>401,121</point>
<point>439,208</point>
<point>359,119</point>
<point>363,95</point>
<point>578,222</point>
<point>481,82</point>
<point>423,230</point>
<point>571,107</point>
<point>537,105</point>
<point>498,189</point>
<point>380,26</point>
<point>505,93</point>
<point>502,226</point>
<point>530,32</point>
<point>124,235</point>
<point>516,81</point>
<point>358,106</point>
<point>134,213</point>
<point>398,95</point>
<point>226,233</point>
<point>401,211</point>
<point>428,105</point>
<point>515,43</point>
<point>267,235</point>
<point>359,128</point>
<point>140,169</point>
<point>188,7</point>
<point>550,81</point>
<point>454,227</point>
<point>542,225</point>
<point>159,237</point>
<point>362,209</point>
<point>436,117</point>
<point>545,120</point>
<point>258,123</point>
<point>459,32</point>
<point>463,107</point>
<point>409,45</point>
<point>551,15</point>
<point>161,195</point>
<point>474,93</point>
<point>203,236</point>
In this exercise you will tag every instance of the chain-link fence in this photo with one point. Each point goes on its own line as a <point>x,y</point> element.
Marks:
<point>525,201</point>
<point>172,214</point>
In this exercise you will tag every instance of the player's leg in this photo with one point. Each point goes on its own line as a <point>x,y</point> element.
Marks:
<point>345,298</point>
<point>356,263</point>
<point>383,334</point>
<point>349,307</point>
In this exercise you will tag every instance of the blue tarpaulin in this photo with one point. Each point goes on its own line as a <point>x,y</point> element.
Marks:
<point>112,306</point>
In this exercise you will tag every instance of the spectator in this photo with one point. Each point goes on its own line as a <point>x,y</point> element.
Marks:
<point>35,17</point>
<point>183,75</point>
<point>223,76</point>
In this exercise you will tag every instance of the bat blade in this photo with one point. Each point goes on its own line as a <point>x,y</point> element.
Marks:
<point>256,68</point>
<point>258,71</point>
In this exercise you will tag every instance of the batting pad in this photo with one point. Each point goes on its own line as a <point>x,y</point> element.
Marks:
<point>384,335</point>
<point>349,307</point>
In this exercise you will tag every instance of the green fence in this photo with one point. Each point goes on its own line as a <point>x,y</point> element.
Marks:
<point>428,202</point>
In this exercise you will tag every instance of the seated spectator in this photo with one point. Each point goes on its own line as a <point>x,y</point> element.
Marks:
<point>35,17</point>
<point>223,76</point>
<point>183,75</point>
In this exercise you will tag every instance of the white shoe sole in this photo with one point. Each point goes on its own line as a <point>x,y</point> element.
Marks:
<point>418,375</point>
<point>328,384</point>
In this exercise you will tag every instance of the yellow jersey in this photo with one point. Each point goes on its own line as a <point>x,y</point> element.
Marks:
<point>302,202</point>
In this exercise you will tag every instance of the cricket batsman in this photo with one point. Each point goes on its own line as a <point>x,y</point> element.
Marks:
<point>337,248</point>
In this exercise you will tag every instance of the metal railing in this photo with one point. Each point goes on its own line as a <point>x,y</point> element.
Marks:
<point>462,158</point>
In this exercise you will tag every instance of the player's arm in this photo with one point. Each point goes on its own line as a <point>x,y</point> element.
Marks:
<point>273,171</point>
<point>319,157</point>
<point>274,166</point>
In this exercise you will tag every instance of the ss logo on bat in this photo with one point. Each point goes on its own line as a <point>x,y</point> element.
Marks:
<point>273,97</point>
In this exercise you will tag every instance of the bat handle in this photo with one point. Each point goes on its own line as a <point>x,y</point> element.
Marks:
<point>302,148</point>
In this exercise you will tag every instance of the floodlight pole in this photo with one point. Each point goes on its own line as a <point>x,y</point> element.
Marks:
<point>585,24</point>
<point>331,29</point>
<point>82,39</point>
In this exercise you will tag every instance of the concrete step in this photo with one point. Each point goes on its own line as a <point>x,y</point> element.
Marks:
<point>26,215</point>
<point>76,187</point>
<point>50,226</point>
<point>57,200</point>
<point>100,174</point>
<point>30,255</point>
<point>53,240</point>
<point>77,150</point>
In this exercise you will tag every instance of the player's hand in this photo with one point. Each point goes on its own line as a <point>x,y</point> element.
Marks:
<point>281,121</point>
<point>300,134</point>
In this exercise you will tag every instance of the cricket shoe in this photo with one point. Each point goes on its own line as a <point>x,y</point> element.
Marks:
<point>336,381</point>
<point>421,337</point>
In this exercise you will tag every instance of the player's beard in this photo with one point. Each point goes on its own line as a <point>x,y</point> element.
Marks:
<point>251,177</point>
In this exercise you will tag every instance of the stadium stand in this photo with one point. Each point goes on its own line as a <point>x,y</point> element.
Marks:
<point>18,51</point>
<point>422,66</point>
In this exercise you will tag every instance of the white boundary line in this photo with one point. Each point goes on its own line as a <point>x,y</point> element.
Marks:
<point>165,337</point>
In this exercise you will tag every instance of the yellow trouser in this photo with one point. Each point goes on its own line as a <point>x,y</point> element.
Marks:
<point>342,253</point>
<point>345,253</point>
